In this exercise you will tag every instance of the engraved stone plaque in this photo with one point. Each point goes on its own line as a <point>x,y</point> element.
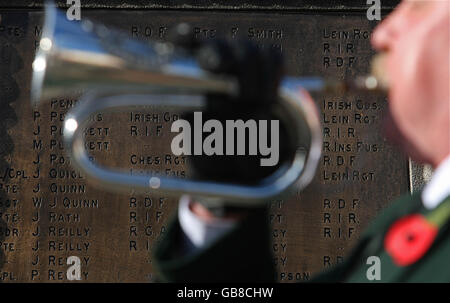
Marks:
<point>49,211</point>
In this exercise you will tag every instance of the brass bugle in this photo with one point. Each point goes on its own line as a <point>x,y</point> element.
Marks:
<point>119,73</point>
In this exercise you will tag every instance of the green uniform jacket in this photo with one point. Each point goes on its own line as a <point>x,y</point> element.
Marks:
<point>244,254</point>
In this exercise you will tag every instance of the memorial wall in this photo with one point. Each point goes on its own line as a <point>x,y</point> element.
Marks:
<point>50,212</point>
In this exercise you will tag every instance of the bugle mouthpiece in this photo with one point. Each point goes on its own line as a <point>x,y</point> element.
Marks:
<point>376,81</point>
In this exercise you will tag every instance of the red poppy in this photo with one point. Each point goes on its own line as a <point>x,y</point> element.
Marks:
<point>409,239</point>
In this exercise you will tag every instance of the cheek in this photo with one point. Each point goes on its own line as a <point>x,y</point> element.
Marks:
<point>407,65</point>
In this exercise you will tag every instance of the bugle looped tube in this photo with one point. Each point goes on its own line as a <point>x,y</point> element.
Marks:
<point>120,73</point>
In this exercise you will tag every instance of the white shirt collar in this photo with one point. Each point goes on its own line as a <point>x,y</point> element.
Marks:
<point>439,186</point>
<point>198,230</point>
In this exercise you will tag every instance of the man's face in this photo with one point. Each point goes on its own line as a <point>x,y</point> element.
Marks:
<point>415,38</point>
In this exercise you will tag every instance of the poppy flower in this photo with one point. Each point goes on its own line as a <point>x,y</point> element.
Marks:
<point>409,239</point>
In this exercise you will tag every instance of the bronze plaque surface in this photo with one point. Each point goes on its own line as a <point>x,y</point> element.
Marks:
<point>49,211</point>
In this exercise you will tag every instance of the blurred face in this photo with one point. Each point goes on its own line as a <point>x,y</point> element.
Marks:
<point>415,38</point>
